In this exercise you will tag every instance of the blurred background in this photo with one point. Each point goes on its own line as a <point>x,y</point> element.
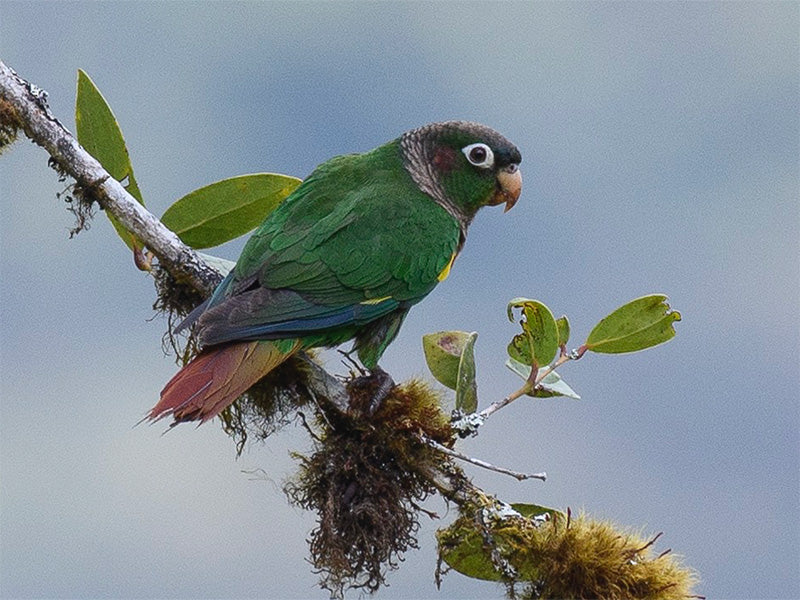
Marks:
<point>660,145</point>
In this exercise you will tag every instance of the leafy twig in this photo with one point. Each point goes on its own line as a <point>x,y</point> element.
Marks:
<point>532,383</point>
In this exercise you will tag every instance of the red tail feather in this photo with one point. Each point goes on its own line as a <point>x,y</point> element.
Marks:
<point>214,379</point>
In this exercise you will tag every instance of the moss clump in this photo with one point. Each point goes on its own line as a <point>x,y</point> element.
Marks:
<point>414,408</point>
<point>364,482</point>
<point>594,559</point>
<point>563,558</point>
<point>10,124</point>
<point>175,300</point>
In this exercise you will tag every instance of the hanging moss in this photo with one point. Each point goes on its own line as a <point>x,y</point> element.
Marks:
<point>79,200</point>
<point>269,405</point>
<point>364,482</point>
<point>175,300</point>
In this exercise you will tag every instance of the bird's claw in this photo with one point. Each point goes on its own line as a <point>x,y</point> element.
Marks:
<point>367,392</point>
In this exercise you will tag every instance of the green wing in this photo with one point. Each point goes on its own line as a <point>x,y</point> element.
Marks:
<point>356,241</point>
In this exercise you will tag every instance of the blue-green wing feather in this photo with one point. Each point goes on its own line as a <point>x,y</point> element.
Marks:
<point>333,256</point>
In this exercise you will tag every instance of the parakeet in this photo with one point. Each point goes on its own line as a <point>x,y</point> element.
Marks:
<point>345,256</point>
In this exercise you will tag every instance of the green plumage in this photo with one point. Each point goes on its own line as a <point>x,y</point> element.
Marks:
<point>360,241</point>
<point>357,229</point>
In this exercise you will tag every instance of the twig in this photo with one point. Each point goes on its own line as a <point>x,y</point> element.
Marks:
<point>480,463</point>
<point>563,358</point>
<point>495,406</point>
<point>647,545</point>
<point>531,385</point>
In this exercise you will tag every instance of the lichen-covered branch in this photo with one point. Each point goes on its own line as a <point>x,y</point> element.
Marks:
<point>482,463</point>
<point>25,107</point>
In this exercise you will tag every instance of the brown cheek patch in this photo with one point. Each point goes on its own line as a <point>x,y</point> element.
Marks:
<point>444,159</point>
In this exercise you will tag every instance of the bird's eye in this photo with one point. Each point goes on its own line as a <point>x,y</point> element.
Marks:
<point>479,155</point>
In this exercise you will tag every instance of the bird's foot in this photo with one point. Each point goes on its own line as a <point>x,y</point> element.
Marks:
<point>367,392</point>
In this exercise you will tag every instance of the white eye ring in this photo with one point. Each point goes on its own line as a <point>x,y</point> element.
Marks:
<point>479,155</point>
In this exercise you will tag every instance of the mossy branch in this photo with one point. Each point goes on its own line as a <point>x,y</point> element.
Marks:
<point>369,472</point>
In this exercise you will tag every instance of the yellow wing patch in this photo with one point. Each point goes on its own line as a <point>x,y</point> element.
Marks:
<point>446,271</point>
<point>376,300</point>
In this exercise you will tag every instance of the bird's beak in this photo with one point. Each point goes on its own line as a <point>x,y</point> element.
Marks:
<point>509,187</point>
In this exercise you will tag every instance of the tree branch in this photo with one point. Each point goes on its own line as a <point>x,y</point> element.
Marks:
<point>32,115</point>
<point>29,106</point>
<point>481,463</point>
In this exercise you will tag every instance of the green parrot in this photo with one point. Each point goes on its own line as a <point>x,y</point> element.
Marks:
<point>345,256</point>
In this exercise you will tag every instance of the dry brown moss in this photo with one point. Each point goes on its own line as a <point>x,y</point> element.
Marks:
<point>79,202</point>
<point>269,405</point>
<point>363,481</point>
<point>175,300</point>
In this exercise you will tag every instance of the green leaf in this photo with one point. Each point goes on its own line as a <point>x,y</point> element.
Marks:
<point>99,133</point>
<point>531,511</point>
<point>514,303</point>
<point>465,553</point>
<point>467,387</point>
<point>227,209</point>
<point>97,129</point>
<point>639,324</point>
<point>562,323</point>
<point>538,342</point>
<point>463,547</point>
<point>443,351</point>
<point>519,348</point>
<point>551,385</point>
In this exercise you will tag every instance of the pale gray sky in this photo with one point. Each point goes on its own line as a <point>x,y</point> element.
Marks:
<point>660,145</point>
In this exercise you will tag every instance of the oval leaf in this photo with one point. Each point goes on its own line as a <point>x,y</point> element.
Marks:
<point>461,546</point>
<point>227,209</point>
<point>443,352</point>
<point>539,340</point>
<point>97,129</point>
<point>639,324</point>
<point>467,387</point>
<point>99,133</point>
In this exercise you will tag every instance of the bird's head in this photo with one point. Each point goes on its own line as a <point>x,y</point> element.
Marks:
<point>463,166</point>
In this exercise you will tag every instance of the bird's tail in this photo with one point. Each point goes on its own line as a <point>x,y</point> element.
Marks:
<point>216,377</point>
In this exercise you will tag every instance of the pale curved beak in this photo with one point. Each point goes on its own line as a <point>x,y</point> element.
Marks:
<point>509,181</point>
